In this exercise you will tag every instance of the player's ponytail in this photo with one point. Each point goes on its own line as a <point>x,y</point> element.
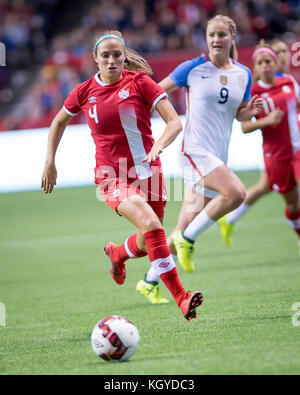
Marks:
<point>233,30</point>
<point>136,62</point>
<point>133,61</point>
<point>233,52</point>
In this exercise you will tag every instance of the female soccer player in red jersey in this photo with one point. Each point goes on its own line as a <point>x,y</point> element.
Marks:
<point>117,102</point>
<point>281,139</point>
<point>272,118</point>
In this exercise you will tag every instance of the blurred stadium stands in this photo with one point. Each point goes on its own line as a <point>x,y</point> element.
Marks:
<point>48,43</point>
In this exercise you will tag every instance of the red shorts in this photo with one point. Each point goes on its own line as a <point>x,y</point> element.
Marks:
<point>114,190</point>
<point>283,172</point>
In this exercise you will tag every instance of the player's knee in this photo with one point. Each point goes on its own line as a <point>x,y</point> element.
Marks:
<point>237,196</point>
<point>151,223</point>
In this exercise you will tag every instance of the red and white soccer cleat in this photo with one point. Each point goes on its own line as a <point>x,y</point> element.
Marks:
<point>189,303</point>
<point>117,269</point>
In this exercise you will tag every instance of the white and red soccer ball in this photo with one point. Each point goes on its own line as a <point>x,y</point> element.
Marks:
<point>115,339</point>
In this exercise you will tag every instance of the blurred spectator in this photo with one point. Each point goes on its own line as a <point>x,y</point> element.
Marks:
<point>49,69</point>
<point>23,29</point>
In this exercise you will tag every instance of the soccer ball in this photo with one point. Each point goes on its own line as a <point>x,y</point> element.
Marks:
<point>115,339</point>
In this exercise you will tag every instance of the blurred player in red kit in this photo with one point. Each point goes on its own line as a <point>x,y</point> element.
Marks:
<point>261,188</point>
<point>117,102</point>
<point>280,128</point>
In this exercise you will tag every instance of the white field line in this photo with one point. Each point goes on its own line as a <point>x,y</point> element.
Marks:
<point>108,235</point>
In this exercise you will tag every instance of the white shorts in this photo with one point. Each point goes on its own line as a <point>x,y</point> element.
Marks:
<point>196,166</point>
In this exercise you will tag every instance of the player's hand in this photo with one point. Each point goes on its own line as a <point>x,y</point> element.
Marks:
<point>49,178</point>
<point>255,106</point>
<point>275,117</point>
<point>156,150</point>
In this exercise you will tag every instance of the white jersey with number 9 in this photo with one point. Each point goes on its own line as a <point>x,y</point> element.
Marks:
<point>213,98</point>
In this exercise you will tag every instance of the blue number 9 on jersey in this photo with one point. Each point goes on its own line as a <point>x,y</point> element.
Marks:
<point>224,94</point>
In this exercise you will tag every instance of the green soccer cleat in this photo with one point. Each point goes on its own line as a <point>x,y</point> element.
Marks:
<point>226,231</point>
<point>185,251</point>
<point>151,291</point>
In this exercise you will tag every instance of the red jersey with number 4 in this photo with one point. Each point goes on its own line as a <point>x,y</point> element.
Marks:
<point>281,140</point>
<point>119,118</point>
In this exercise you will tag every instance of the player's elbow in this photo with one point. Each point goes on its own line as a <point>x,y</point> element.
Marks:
<point>244,127</point>
<point>175,125</point>
<point>179,126</point>
<point>247,126</point>
<point>57,123</point>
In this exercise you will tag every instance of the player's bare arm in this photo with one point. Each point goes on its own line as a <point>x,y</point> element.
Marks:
<point>249,109</point>
<point>173,128</point>
<point>274,118</point>
<point>57,129</point>
<point>168,85</point>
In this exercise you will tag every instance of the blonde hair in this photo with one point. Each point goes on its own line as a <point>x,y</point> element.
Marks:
<point>133,60</point>
<point>232,28</point>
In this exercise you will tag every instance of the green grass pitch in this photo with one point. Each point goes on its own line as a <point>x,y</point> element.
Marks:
<point>55,284</point>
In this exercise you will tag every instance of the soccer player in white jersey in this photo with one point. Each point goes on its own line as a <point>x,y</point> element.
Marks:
<point>261,188</point>
<point>218,91</point>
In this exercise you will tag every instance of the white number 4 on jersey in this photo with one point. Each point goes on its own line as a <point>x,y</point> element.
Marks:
<point>93,113</point>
